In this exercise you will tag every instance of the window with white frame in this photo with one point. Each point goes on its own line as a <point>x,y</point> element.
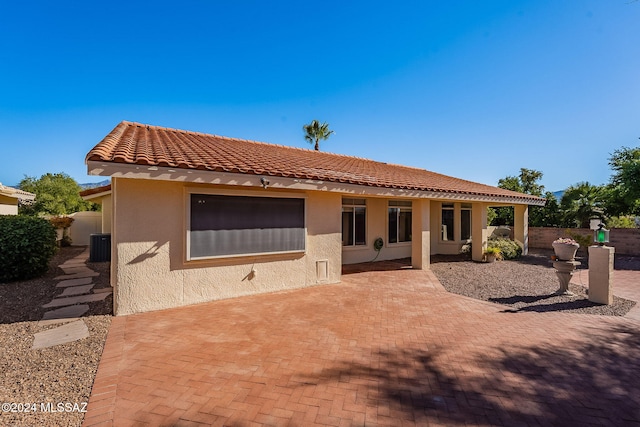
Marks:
<point>447,221</point>
<point>223,225</point>
<point>354,222</point>
<point>399,221</point>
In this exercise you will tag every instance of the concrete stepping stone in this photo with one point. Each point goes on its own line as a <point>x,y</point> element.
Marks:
<point>74,282</point>
<point>109,289</point>
<point>60,302</point>
<point>89,273</point>
<point>76,270</point>
<point>73,264</point>
<point>64,314</point>
<point>70,332</point>
<point>76,290</point>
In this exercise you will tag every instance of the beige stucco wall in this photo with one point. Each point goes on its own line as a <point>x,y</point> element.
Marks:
<point>377,223</point>
<point>8,205</point>
<point>107,212</point>
<point>149,267</point>
<point>84,224</point>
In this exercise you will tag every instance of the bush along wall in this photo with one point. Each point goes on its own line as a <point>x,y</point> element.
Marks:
<point>508,248</point>
<point>27,244</point>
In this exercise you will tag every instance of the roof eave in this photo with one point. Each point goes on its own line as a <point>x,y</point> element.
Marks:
<point>196,176</point>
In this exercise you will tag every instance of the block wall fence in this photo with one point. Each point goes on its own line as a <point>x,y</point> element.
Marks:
<point>626,241</point>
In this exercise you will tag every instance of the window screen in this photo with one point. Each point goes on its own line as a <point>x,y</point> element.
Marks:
<point>238,225</point>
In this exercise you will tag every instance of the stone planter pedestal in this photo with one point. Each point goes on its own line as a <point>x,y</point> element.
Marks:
<point>565,251</point>
<point>601,274</point>
<point>564,271</point>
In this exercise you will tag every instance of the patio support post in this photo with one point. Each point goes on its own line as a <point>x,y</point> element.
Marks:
<point>521,227</point>
<point>478,230</point>
<point>421,234</point>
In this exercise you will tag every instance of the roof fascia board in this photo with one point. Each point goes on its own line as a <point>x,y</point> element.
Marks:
<point>96,195</point>
<point>121,170</point>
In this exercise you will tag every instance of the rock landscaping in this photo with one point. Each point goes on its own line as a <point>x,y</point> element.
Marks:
<point>52,332</point>
<point>526,284</point>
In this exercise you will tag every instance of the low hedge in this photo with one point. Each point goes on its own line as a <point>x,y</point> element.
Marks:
<point>27,244</point>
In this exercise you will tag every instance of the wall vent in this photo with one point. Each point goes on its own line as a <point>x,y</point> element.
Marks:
<point>322,270</point>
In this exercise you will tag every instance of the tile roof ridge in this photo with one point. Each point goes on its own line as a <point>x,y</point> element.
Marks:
<point>271,144</point>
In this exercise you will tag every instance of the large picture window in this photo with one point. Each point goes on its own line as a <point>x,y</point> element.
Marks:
<point>354,222</point>
<point>238,225</point>
<point>399,221</point>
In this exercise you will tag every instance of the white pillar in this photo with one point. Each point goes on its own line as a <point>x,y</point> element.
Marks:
<point>421,234</point>
<point>601,274</point>
<point>478,230</point>
<point>521,227</point>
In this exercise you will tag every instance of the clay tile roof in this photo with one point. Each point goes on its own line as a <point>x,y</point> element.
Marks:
<point>95,190</point>
<point>16,193</point>
<point>139,144</point>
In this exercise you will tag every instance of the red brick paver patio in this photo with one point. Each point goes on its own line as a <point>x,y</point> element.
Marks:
<point>381,348</point>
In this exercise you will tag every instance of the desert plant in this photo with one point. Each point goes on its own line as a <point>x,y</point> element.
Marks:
<point>508,248</point>
<point>26,247</point>
<point>492,251</point>
<point>584,240</point>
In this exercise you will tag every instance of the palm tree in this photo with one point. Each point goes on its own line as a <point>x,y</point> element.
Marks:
<point>316,132</point>
<point>581,202</point>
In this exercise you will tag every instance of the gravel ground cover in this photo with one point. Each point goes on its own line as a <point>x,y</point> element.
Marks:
<point>59,374</point>
<point>526,284</point>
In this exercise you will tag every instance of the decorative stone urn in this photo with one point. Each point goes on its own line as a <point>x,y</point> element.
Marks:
<point>564,271</point>
<point>565,251</point>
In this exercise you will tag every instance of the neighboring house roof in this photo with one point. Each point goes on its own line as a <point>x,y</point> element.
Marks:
<point>138,144</point>
<point>16,193</point>
<point>92,193</point>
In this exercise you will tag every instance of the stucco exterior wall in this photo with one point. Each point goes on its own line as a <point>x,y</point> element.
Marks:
<point>8,205</point>
<point>149,266</point>
<point>84,224</point>
<point>107,211</point>
<point>377,223</point>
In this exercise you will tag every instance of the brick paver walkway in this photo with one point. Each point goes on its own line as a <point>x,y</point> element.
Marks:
<point>626,284</point>
<point>381,348</point>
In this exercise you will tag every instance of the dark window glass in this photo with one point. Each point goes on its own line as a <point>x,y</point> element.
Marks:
<point>399,225</point>
<point>465,226</point>
<point>354,224</point>
<point>447,223</point>
<point>360,226</point>
<point>393,225</point>
<point>237,225</point>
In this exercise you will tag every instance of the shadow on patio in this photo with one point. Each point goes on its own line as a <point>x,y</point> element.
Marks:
<point>581,383</point>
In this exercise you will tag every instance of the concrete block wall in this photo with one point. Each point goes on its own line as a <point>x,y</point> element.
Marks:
<point>625,240</point>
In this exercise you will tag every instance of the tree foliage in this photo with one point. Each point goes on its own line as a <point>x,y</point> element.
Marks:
<point>316,132</point>
<point>580,203</point>
<point>528,183</point>
<point>623,192</point>
<point>56,194</point>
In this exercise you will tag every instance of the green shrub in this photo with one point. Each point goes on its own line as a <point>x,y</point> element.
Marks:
<point>508,248</point>
<point>26,247</point>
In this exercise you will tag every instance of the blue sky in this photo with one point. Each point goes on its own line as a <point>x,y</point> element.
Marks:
<point>471,89</point>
